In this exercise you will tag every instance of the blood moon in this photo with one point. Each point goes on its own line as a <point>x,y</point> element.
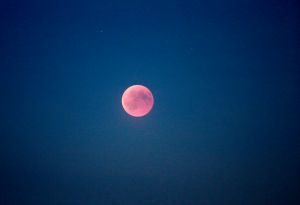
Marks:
<point>137,100</point>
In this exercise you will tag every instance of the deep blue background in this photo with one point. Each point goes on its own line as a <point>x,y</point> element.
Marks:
<point>224,128</point>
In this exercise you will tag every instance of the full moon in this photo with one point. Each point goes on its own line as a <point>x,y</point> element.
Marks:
<point>137,100</point>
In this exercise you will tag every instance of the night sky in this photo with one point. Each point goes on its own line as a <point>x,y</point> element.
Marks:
<point>225,126</point>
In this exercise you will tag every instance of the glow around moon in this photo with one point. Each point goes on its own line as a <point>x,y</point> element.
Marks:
<point>137,100</point>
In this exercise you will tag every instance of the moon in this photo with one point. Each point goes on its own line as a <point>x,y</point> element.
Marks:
<point>137,100</point>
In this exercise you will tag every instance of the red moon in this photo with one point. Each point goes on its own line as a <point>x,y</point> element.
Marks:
<point>137,100</point>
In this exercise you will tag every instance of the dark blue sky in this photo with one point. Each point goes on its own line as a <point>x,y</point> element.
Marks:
<point>225,124</point>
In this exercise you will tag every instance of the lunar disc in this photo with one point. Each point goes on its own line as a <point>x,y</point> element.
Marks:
<point>137,100</point>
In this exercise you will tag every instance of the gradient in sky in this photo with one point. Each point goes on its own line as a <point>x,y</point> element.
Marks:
<point>225,125</point>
